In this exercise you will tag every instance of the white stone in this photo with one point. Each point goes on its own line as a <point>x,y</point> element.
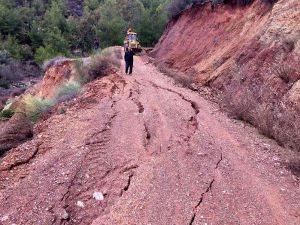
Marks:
<point>98,196</point>
<point>80,204</point>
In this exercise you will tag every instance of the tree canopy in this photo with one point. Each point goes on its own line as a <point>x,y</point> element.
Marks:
<point>39,29</point>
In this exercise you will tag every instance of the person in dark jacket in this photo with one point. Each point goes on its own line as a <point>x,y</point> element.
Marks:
<point>97,44</point>
<point>128,60</point>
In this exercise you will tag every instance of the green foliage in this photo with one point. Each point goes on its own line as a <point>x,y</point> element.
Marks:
<point>55,15</point>
<point>151,26</point>
<point>39,29</point>
<point>103,63</point>
<point>62,110</point>
<point>54,44</point>
<point>90,5</point>
<point>15,49</point>
<point>10,20</point>
<point>87,33</point>
<point>33,107</point>
<point>112,25</point>
<point>6,113</point>
<point>36,35</point>
<point>68,91</point>
<point>4,83</point>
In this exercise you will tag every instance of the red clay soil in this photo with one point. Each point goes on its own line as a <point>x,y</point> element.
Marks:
<point>249,57</point>
<point>55,77</point>
<point>158,153</point>
<point>19,129</point>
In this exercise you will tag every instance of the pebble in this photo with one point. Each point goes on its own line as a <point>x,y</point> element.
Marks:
<point>98,196</point>
<point>267,146</point>
<point>64,215</point>
<point>4,218</point>
<point>80,204</point>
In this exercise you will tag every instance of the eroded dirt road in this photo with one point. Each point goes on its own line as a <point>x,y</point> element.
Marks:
<point>159,153</point>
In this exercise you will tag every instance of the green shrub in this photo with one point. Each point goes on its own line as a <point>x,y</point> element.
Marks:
<point>4,83</point>
<point>33,107</point>
<point>54,45</point>
<point>5,57</point>
<point>43,54</point>
<point>62,110</point>
<point>103,64</point>
<point>68,91</point>
<point>80,77</point>
<point>13,47</point>
<point>6,113</point>
<point>10,19</point>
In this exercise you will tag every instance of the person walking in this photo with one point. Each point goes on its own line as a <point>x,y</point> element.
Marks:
<point>96,44</point>
<point>128,60</point>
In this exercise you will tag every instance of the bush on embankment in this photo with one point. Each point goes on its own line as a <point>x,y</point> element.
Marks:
<point>31,107</point>
<point>108,61</point>
<point>99,65</point>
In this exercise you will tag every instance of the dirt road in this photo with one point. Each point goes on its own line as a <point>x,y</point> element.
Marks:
<point>160,154</point>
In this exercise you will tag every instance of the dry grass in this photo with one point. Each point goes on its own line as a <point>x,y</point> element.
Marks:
<point>179,77</point>
<point>68,91</point>
<point>33,107</point>
<point>104,63</point>
<point>282,71</point>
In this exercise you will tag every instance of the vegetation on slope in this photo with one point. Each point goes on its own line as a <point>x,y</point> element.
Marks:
<point>32,107</point>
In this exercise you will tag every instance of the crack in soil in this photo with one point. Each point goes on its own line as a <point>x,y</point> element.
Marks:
<point>200,201</point>
<point>208,189</point>
<point>193,104</point>
<point>128,168</point>
<point>203,193</point>
<point>126,188</point>
<point>148,135</point>
<point>23,161</point>
<point>193,122</point>
<point>107,127</point>
<point>218,163</point>
<point>67,194</point>
<point>130,93</point>
<point>136,101</point>
<point>137,82</point>
<point>192,219</point>
<point>140,106</point>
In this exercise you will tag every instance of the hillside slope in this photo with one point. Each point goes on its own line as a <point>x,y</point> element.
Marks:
<point>248,56</point>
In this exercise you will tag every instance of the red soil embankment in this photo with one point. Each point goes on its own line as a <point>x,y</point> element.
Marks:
<point>19,129</point>
<point>250,56</point>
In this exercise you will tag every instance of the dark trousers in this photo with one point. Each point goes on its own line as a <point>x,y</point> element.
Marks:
<point>129,67</point>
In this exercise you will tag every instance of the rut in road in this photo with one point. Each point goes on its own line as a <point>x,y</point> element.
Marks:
<point>160,154</point>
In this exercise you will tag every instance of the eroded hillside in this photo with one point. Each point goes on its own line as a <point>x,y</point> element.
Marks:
<point>248,55</point>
